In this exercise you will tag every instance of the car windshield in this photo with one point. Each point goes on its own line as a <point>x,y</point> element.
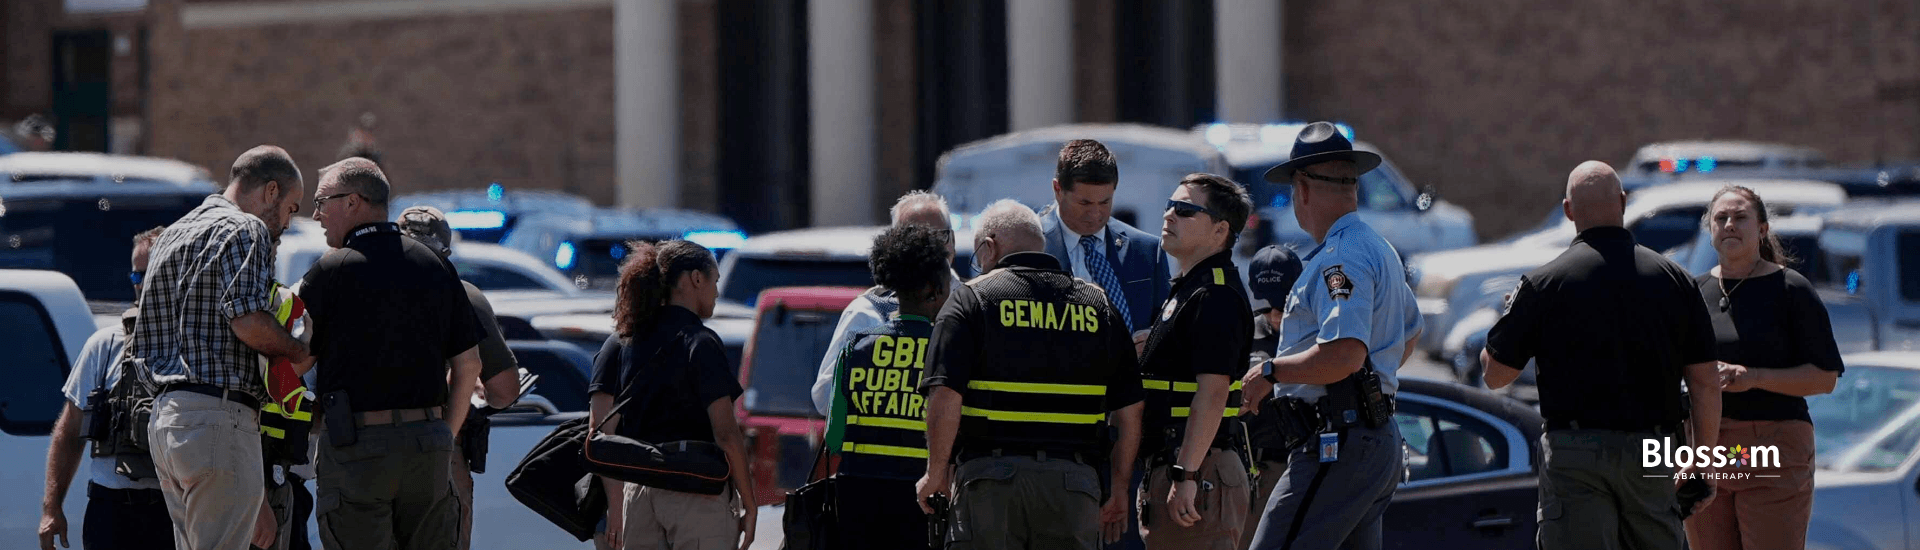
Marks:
<point>787,347</point>
<point>751,275</point>
<point>88,238</point>
<point>1871,421</point>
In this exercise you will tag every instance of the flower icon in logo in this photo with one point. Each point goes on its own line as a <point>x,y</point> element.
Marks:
<point>1739,456</point>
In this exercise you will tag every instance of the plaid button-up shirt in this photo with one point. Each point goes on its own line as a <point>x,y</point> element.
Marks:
<point>213,265</point>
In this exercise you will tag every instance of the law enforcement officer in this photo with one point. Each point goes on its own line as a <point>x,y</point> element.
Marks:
<point>202,327</point>
<point>122,512</point>
<point>499,371</point>
<point>877,423</point>
<point>1349,317</point>
<point>389,314</point>
<point>1271,274</point>
<point>877,304</point>
<point>1028,366</point>
<point>1195,495</point>
<point>1613,326</point>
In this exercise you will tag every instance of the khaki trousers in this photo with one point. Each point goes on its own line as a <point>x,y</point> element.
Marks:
<point>1223,502</point>
<point>660,519</point>
<point>206,452</point>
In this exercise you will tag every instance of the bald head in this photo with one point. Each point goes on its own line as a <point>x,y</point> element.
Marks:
<point>1594,198</point>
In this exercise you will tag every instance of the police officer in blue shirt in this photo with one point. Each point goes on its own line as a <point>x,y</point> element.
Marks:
<point>1349,318</point>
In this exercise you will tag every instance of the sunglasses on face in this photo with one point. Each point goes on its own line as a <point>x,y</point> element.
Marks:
<point>1186,209</point>
<point>322,201</point>
<point>137,276</point>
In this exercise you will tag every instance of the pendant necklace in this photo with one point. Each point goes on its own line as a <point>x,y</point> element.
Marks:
<point>1726,296</point>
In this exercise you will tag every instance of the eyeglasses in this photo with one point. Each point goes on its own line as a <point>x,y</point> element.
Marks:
<point>1186,209</point>
<point>1328,179</point>
<point>137,276</point>
<point>322,201</point>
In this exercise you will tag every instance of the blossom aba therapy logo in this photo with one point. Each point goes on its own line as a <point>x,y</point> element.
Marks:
<point>1662,452</point>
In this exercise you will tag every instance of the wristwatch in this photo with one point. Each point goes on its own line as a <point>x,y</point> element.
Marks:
<point>1266,371</point>
<point>1178,474</point>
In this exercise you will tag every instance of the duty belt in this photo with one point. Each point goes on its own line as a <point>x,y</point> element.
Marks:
<point>395,416</point>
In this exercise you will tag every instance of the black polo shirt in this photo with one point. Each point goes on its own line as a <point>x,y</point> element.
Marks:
<point>1205,327</point>
<point>1774,321</point>
<point>671,373</point>
<point>387,313</point>
<point>1612,324</point>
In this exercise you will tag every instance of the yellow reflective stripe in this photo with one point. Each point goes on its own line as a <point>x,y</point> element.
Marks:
<point>1036,387</point>
<point>1183,412</point>
<point>272,432</point>
<point>1188,387</point>
<point>297,414</point>
<point>884,422</point>
<point>888,450</point>
<point>1219,277</point>
<point>1019,416</point>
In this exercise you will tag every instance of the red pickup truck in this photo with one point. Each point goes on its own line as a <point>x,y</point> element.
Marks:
<point>792,328</point>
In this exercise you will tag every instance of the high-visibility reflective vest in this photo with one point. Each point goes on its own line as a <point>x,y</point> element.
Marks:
<point>289,405</point>
<point>1048,349</point>
<point>878,380</point>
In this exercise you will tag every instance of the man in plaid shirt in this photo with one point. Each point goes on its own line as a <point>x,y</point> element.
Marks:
<point>204,316</point>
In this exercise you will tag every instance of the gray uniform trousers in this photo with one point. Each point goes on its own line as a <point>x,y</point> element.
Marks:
<point>390,490</point>
<point>1021,503</point>
<point>1595,494</point>
<point>1320,505</point>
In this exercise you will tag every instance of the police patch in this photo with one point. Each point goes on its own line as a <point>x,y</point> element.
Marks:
<point>1338,286</point>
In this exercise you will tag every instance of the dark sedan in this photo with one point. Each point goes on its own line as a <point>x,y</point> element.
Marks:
<point>1473,460</point>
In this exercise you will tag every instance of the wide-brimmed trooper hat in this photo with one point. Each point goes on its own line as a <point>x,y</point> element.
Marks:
<point>1321,142</point>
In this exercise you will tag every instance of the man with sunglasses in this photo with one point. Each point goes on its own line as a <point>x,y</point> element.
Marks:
<point>1195,495</point>
<point>877,305</point>
<point>122,512</point>
<point>1348,321</point>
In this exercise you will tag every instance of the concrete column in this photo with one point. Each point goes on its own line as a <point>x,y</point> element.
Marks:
<point>1247,59</point>
<point>647,102</point>
<point>1039,63</point>
<point>841,104</point>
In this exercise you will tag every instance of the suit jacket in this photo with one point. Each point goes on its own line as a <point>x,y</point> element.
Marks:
<point>1136,259</point>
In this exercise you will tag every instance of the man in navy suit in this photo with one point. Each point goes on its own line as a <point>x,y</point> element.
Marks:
<point>1082,233</point>
<point>1127,263</point>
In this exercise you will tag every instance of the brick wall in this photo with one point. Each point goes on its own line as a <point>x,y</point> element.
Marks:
<point>524,98</point>
<point>1494,101</point>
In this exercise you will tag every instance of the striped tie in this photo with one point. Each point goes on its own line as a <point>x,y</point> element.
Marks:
<point>1103,275</point>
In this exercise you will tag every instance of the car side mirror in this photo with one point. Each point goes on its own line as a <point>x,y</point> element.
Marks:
<point>1425,201</point>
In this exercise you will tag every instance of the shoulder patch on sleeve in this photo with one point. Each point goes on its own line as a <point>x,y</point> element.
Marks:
<point>1338,286</point>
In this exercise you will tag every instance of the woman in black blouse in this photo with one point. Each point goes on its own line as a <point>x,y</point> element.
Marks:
<point>671,371</point>
<point>1775,347</point>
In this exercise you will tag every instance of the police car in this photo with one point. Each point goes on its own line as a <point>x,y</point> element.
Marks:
<point>589,249</point>
<point>1412,218</point>
<point>489,215</point>
<point>1455,283</point>
<point>1676,159</point>
<point>77,213</point>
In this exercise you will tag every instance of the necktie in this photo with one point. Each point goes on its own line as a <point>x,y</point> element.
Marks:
<point>1103,275</point>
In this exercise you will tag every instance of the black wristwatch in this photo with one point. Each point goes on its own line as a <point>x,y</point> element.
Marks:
<point>1178,474</point>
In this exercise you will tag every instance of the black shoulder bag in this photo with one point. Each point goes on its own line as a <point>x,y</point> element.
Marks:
<point>686,466</point>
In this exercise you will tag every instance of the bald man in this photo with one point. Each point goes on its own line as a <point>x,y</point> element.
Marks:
<point>1613,326</point>
<point>1027,367</point>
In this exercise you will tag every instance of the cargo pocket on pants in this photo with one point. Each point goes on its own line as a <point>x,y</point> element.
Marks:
<point>967,510</point>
